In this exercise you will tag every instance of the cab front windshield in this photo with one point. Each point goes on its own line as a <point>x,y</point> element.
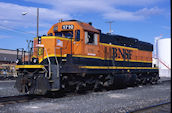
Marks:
<point>65,34</point>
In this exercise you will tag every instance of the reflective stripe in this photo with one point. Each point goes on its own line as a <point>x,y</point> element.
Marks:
<point>110,58</point>
<point>95,57</point>
<point>54,37</point>
<point>29,66</point>
<point>114,67</point>
<point>118,46</point>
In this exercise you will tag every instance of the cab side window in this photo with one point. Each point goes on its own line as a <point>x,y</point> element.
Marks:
<point>50,34</point>
<point>58,34</point>
<point>77,35</point>
<point>91,38</point>
<point>67,34</point>
<point>95,38</point>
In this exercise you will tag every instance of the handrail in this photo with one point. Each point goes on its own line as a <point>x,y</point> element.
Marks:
<point>49,62</point>
<point>164,63</point>
<point>56,57</point>
<point>20,54</point>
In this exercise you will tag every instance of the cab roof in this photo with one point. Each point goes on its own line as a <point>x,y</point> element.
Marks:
<point>82,25</point>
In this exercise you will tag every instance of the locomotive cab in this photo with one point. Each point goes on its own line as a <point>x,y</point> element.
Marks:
<point>83,37</point>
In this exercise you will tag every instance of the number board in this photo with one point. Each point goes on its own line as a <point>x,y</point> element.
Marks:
<point>67,27</point>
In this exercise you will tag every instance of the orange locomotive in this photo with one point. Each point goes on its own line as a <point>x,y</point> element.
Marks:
<point>76,56</point>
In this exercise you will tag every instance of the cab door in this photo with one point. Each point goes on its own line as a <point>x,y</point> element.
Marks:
<point>77,42</point>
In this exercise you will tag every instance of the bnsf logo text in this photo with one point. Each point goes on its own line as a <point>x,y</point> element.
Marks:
<point>124,53</point>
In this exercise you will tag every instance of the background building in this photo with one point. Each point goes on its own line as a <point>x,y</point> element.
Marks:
<point>7,62</point>
<point>163,56</point>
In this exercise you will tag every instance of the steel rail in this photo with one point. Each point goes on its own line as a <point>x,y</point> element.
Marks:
<point>17,99</point>
<point>149,107</point>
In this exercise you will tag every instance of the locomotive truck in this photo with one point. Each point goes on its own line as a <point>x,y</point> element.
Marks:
<point>75,56</point>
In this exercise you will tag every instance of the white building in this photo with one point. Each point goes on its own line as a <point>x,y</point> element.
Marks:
<point>163,56</point>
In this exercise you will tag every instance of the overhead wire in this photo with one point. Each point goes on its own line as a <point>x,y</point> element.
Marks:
<point>15,30</point>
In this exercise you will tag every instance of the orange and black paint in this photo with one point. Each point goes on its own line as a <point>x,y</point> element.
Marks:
<point>73,49</point>
<point>108,52</point>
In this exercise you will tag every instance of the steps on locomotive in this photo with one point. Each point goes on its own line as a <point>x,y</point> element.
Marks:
<point>55,78</point>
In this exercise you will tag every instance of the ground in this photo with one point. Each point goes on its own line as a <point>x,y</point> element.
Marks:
<point>115,101</point>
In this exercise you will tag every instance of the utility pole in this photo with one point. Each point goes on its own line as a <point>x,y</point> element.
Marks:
<point>37,22</point>
<point>110,22</point>
<point>24,13</point>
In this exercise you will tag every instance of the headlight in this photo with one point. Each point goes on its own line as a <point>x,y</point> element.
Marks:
<point>34,60</point>
<point>17,61</point>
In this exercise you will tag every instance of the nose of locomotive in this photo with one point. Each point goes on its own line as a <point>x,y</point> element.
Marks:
<point>31,79</point>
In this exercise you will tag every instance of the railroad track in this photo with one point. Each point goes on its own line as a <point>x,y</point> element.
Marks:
<point>18,99</point>
<point>150,108</point>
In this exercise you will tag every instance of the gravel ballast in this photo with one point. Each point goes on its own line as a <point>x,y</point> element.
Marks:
<point>115,101</point>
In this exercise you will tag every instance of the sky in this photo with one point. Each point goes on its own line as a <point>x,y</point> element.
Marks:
<point>141,19</point>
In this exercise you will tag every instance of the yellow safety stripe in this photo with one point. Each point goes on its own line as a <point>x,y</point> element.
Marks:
<point>121,47</point>
<point>95,57</point>
<point>118,46</point>
<point>114,67</point>
<point>29,66</point>
<point>51,55</point>
<point>53,37</point>
<point>85,56</point>
<point>110,58</point>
